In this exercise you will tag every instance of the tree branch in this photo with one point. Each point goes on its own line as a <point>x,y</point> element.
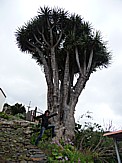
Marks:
<point>90,61</point>
<point>37,39</point>
<point>55,76</point>
<point>51,37</point>
<point>43,38</point>
<point>46,68</point>
<point>66,80</point>
<point>58,39</point>
<point>79,86</point>
<point>84,63</point>
<point>31,44</point>
<point>48,23</point>
<point>77,60</point>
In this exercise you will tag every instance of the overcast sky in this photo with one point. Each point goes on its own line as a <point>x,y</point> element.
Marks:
<point>21,78</point>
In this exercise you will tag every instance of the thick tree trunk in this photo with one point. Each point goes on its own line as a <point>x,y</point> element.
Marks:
<point>65,129</point>
<point>69,122</point>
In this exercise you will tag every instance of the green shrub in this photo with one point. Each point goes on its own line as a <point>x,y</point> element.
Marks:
<point>6,116</point>
<point>18,108</point>
<point>3,115</point>
<point>89,138</point>
<point>20,116</point>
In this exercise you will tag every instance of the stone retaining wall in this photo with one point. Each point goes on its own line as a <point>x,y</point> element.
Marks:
<point>15,146</point>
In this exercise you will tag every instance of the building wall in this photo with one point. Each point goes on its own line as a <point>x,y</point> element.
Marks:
<point>2,99</point>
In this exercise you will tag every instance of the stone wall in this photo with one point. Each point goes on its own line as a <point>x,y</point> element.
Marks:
<point>15,146</point>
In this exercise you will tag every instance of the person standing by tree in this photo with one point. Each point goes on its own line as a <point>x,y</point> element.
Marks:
<point>45,124</point>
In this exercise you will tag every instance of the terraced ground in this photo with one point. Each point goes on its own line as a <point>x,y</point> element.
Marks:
<point>15,146</point>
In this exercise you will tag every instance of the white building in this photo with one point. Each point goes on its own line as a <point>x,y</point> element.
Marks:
<point>2,99</point>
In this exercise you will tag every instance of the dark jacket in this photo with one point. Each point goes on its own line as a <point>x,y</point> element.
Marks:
<point>45,119</point>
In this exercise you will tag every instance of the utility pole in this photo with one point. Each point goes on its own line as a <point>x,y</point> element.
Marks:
<point>29,106</point>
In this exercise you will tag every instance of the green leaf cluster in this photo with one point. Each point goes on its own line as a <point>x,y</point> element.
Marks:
<point>55,27</point>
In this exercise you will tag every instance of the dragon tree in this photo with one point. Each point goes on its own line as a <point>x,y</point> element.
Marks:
<point>69,51</point>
